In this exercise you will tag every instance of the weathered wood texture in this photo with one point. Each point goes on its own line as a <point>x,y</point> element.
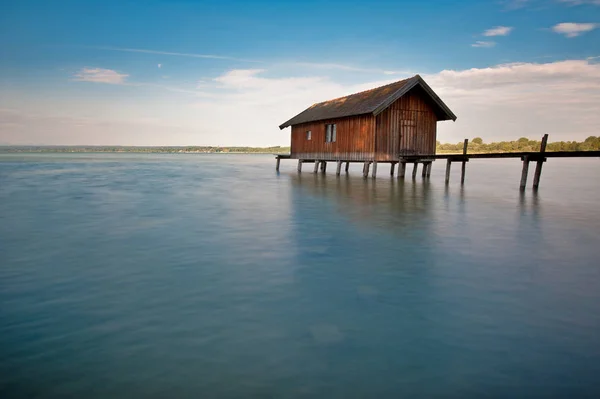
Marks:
<point>355,139</point>
<point>407,127</point>
<point>524,173</point>
<point>464,162</point>
<point>402,170</point>
<point>540,163</point>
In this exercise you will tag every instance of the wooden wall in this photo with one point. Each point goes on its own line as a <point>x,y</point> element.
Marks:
<point>407,127</point>
<point>354,141</point>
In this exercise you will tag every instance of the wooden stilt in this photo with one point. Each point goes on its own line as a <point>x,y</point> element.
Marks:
<point>424,172</point>
<point>323,166</point>
<point>464,163</point>
<point>448,164</point>
<point>374,173</point>
<point>366,169</point>
<point>277,164</point>
<point>339,168</point>
<point>524,173</point>
<point>316,167</point>
<point>540,163</point>
<point>415,167</point>
<point>402,170</point>
<point>429,165</point>
<point>392,167</point>
<point>299,165</point>
<point>347,166</point>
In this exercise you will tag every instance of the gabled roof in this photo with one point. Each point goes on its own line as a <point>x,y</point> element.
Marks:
<point>372,101</point>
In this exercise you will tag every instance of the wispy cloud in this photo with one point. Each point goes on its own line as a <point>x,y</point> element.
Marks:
<point>343,67</point>
<point>516,4</point>
<point>572,29</point>
<point>580,2</point>
<point>191,55</point>
<point>480,43</point>
<point>100,75</point>
<point>498,31</point>
<point>504,102</point>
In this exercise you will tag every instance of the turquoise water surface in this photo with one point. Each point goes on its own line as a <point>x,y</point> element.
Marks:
<point>199,276</point>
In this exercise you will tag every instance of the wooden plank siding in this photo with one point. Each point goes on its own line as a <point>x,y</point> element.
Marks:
<point>406,127</point>
<point>354,139</point>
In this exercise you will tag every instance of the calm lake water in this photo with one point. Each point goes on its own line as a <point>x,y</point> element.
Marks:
<point>198,276</point>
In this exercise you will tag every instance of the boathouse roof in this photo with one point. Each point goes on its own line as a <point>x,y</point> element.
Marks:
<point>373,101</point>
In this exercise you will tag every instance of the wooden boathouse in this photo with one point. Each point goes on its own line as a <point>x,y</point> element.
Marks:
<point>395,124</point>
<point>378,125</point>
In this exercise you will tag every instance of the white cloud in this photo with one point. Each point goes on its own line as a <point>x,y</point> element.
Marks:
<point>496,103</point>
<point>99,75</point>
<point>341,67</point>
<point>580,2</point>
<point>572,29</point>
<point>516,4</point>
<point>498,31</point>
<point>521,99</point>
<point>246,106</point>
<point>480,43</point>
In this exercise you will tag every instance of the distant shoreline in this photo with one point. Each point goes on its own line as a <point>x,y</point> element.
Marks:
<point>476,145</point>
<point>142,150</point>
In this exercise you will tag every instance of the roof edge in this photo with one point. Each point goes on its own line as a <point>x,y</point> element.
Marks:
<point>415,80</point>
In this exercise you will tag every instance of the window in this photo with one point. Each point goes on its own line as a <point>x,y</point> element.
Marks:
<point>308,135</point>
<point>330,133</point>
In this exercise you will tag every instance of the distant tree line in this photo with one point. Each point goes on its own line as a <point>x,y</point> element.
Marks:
<point>523,144</point>
<point>165,149</point>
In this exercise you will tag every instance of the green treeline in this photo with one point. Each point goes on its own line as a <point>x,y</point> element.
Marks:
<point>476,145</point>
<point>523,144</point>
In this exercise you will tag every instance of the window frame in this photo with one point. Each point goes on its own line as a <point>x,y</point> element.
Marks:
<point>308,135</point>
<point>330,133</point>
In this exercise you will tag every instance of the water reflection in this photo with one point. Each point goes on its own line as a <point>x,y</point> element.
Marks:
<point>385,203</point>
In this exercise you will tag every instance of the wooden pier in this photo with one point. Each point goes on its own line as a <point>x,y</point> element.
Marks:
<point>539,157</point>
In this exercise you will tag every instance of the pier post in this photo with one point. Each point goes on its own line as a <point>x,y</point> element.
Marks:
<point>347,166</point>
<point>323,166</point>
<point>402,170</point>
<point>316,167</point>
<point>366,168</point>
<point>299,165</point>
<point>540,163</point>
<point>374,173</point>
<point>429,165</point>
<point>277,164</point>
<point>415,167</point>
<point>464,163</point>
<point>424,172</point>
<point>524,173</point>
<point>448,165</point>
<point>392,167</point>
<point>339,168</point>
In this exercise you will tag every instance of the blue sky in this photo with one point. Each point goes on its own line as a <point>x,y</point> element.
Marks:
<point>229,72</point>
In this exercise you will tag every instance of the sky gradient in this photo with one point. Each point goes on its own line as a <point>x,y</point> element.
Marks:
<point>229,72</point>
